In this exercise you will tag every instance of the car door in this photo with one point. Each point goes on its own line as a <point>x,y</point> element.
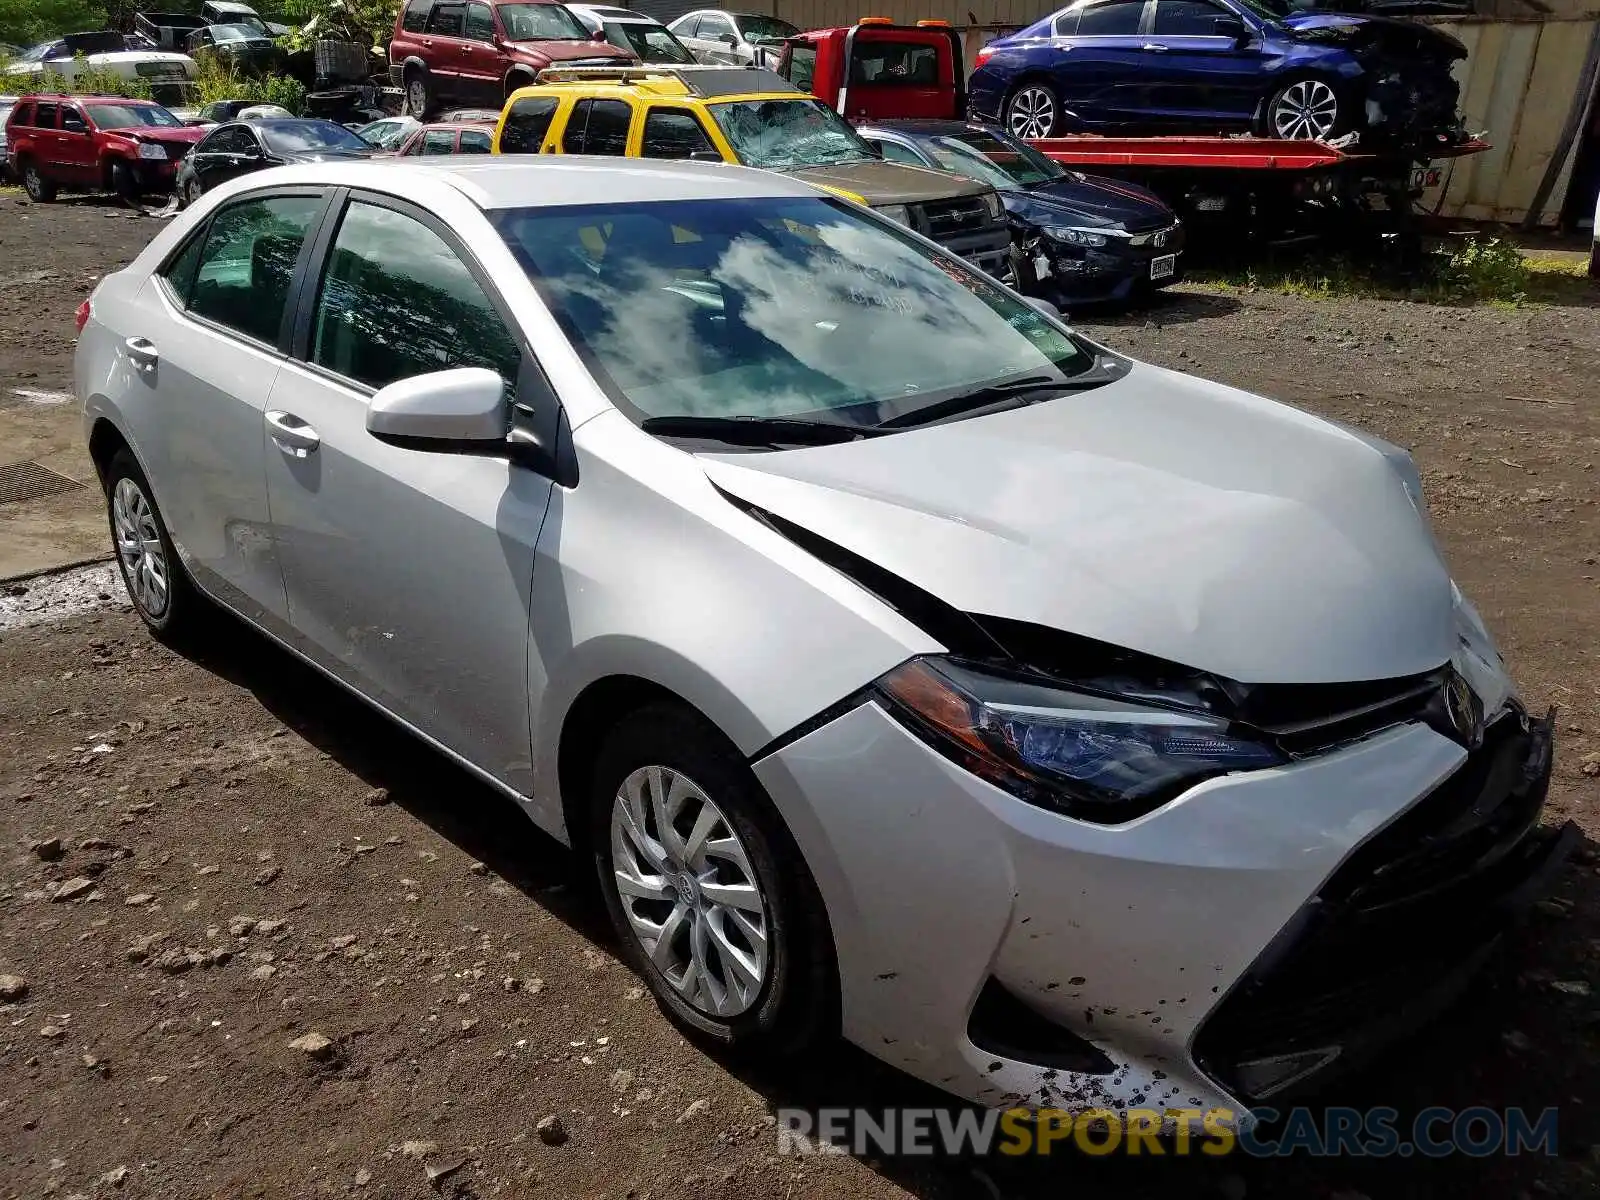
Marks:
<point>597,127</point>
<point>670,132</point>
<point>444,48</point>
<point>45,133</point>
<point>480,61</point>
<point>207,347</point>
<point>436,141</point>
<point>1097,65</point>
<point>80,160</point>
<point>238,152</point>
<point>407,570</point>
<point>716,40</point>
<point>686,30</point>
<point>1205,69</point>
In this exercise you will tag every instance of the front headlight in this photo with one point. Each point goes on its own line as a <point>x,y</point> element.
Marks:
<point>1094,757</point>
<point>991,201</point>
<point>897,212</point>
<point>152,150</point>
<point>1076,237</point>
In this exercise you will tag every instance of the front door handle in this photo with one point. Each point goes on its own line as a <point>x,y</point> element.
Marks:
<point>294,437</point>
<point>1154,47</point>
<point>142,351</point>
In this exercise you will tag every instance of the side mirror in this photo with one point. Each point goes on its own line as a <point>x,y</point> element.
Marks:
<point>729,39</point>
<point>1045,308</point>
<point>599,35</point>
<point>1229,27</point>
<point>460,409</point>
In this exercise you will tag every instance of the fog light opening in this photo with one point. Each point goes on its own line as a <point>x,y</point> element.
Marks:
<point>1262,1077</point>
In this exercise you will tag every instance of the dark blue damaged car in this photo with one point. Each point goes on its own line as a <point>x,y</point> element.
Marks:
<point>1222,66</point>
<point>1075,239</point>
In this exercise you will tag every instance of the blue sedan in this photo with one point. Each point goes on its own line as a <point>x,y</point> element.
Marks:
<point>1221,66</point>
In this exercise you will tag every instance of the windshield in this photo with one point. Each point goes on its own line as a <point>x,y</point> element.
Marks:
<point>236,33</point>
<point>127,116</point>
<point>777,134</point>
<point>652,43</point>
<point>765,29</point>
<point>386,133</point>
<point>1269,10</point>
<point>541,23</point>
<point>302,136</point>
<point>37,53</point>
<point>775,307</point>
<point>986,158</point>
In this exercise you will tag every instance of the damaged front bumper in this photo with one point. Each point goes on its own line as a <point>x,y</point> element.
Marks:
<point>1015,957</point>
<point>1114,273</point>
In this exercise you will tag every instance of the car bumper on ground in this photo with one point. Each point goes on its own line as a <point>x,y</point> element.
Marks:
<point>1012,956</point>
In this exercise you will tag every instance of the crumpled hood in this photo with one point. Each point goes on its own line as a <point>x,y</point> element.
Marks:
<point>1383,33</point>
<point>1159,513</point>
<point>1094,200</point>
<point>553,52</point>
<point>161,133</point>
<point>888,183</point>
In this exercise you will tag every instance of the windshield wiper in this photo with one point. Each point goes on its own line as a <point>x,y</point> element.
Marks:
<point>758,431</point>
<point>1013,393</point>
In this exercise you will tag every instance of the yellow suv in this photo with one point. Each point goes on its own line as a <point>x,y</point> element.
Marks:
<point>754,117</point>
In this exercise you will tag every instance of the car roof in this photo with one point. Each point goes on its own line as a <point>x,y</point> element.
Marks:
<point>689,82</point>
<point>548,181</point>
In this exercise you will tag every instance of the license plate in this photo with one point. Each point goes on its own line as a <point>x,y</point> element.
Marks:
<point>1164,267</point>
<point>1424,177</point>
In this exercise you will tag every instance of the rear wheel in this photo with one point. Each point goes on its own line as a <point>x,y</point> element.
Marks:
<point>1033,111</point>
<point>156,582</point>
<point>1306,109</point>
<point>712,904</point>
<point>40,190</point>
<point>419,93</point>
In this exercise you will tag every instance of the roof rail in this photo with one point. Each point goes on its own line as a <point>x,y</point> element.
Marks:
<point>684,75</point>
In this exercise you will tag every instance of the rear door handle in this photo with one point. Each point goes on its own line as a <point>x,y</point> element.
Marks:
<point>294,437</point>
<point>142,351</point>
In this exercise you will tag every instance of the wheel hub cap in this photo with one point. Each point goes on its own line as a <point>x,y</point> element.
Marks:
<point>139,552</point>
<point>1305,110</point>
<point>689,892</point>
<point>1033,113</point>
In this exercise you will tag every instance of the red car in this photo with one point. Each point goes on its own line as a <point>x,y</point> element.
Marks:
<point>460,52</point>
<point>448,137</point>
<point>94,144</point>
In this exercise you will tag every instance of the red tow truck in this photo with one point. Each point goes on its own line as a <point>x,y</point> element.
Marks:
<point>1263,189</point>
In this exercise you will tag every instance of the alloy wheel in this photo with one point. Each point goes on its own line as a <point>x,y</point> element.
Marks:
<point>33,182</point>
<point>1032,113</point>
<point>1307,109</point>
<point>144,562</point>
<point>417,97</point>
<point>689,892</point>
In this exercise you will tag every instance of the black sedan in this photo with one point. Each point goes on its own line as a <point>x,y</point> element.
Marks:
<point>1075,239</point>
<point>240,147</point>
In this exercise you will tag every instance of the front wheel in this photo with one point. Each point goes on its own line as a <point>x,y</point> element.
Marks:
<point>1306,110</point>
<point>40,190</point>
<point>711,902</point>
<point>192,191</point>
<point>1033,111</point>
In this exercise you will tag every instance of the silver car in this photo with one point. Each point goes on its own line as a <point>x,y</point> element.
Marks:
<point>714,35</point>
<point>1064,730</point>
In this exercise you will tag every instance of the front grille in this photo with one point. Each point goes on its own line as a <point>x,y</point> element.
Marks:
<point>1168,238</point>
<point>1395,931</point>
<point>945,219</point>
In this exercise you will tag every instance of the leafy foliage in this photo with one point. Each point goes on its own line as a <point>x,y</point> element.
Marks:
<point>28,22</point>
<point>86,81</point>
<point>367,22</point>
<point>219,81</point>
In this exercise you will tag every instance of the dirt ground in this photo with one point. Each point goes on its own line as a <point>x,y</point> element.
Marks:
<point>247,857</point>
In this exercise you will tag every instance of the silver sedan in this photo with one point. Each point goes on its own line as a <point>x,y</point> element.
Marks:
<point>1063,730</point>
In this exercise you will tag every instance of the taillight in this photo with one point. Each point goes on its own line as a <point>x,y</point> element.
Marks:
<point>984,55</point>
<point>82,315</point>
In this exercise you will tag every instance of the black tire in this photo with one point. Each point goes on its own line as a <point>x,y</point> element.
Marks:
<point>124,184</point>
<point>1033,110</point>
<point>183,612</point>
<point>1309,94</point>
<point>419,98</point>
<point>515,80</point>
<point>796,1005</point>
<point>192,191</point>
<point>40,190</point>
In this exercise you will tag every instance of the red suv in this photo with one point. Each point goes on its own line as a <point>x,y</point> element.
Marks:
<point>477,52</point>
<point>95,143</point>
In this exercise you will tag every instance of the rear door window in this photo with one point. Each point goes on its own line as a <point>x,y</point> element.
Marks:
<point>242,280</point>
<point>44,116</point>
<point>673,133</point>
<point>597,127</point>
<point>447,20</point>
<point>526,124</point>
<point>1115,18</point>
<point>416,18</point>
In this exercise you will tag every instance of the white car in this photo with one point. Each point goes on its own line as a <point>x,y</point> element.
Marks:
<point>738,39</point>
<point>168,74</point>
<point>1068,731</point>
<point>645,36</point>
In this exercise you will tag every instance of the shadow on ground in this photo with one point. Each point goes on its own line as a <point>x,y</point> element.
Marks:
<point>1525,1038</point>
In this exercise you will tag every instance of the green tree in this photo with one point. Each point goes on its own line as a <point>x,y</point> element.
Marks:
<point>28,22</point>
